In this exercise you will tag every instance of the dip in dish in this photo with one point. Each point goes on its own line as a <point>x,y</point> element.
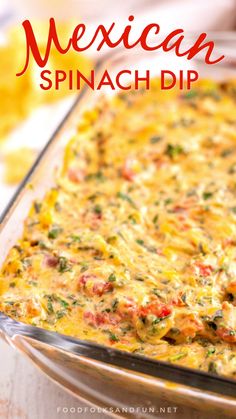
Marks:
<point>135,246</point>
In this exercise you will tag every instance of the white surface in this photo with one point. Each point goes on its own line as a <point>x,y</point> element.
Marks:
<point>25,393</point>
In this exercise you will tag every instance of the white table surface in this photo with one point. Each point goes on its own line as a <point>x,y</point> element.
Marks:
<point>26,393</point>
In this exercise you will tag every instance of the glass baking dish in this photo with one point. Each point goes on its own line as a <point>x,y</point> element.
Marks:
<point>122,383</point>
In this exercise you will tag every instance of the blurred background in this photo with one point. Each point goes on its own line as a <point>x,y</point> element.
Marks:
<point>28,115</point>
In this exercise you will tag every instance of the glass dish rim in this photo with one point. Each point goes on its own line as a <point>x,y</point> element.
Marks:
<point>219,385</point>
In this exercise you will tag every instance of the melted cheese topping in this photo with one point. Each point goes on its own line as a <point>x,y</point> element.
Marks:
<point>136,245</point>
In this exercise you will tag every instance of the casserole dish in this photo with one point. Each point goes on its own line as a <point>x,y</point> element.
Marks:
<point>123,383</point>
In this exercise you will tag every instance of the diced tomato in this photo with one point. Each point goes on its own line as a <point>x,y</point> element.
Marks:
<point>127,172</point>
<point>95,319</point>
<point>102,318</point>
<point>50,261</point>
<point>157,308</point>
<point>101,288</point>
<point>98,287</point>
<point>84,279</point>
<point>179,209</point>
<point>90,318</point>
<point>97,216</point>
<point>204,270</point>
<point>76,175</point>
<point>226,334</point>
<point>98,319</point>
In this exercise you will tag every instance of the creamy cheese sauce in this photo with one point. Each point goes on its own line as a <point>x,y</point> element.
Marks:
<point>135,247</point>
